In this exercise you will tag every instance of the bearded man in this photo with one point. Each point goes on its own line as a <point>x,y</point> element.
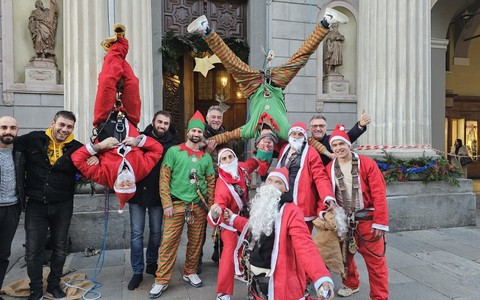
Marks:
<point>187,184</point>
<point>307,176</point>
<point>281,252</point>
<point>231,191</point>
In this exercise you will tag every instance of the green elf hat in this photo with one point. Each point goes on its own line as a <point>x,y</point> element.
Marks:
<point>197,121</point>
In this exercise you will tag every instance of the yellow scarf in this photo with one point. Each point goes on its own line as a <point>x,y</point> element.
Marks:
<point>55,150</point>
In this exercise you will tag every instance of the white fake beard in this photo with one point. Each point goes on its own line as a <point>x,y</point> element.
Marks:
<point>264,211</point>
<point>231,168</point>
<point>296,143</point>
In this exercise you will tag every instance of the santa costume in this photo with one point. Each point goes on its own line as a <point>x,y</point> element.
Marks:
<point>309,182</point>
<point>372,202</point>
<point>294,254</point>
<point>232,193</point>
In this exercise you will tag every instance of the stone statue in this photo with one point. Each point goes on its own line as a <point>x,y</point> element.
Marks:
<point>43,27</point>
<point>333,56</point>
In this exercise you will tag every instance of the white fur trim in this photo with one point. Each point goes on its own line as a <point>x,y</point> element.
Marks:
<point>275,252</point>
<point>235,195</point>
<point>300,129</point>
<point>222,151</point>
<point>142,141</point>
<point>90,150</point>
<point>282,177</point>
<point>381,227</point>
<point>338,137</point>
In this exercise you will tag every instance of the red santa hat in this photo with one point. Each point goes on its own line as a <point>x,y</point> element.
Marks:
<point>281,173</point>
<point>223,150</point>
<point>339,134</point>
<point>299,126</point>
<point>122,191</point>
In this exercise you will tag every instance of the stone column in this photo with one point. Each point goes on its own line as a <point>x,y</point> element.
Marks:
<point>394,71</point>
<point>84,30</point>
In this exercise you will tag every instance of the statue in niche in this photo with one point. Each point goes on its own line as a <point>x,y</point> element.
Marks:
<point>334,57</point>
<point>43,27</point>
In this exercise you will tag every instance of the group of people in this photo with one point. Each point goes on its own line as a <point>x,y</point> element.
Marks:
<point>266,240</point>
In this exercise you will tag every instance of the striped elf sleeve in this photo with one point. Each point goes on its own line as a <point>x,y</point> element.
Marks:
<point>321,149</point>
<point>165,178</point>
<point>227,136</point>
<point>210,188</point>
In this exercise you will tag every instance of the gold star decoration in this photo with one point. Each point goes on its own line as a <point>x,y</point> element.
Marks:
<point>203,65</point>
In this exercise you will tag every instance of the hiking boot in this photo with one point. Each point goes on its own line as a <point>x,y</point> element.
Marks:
<point>56,293</point>
<point>108,42</point>
<point>157,290</point>
<point>35,295</point>
<point>119,30</point>
<point>151,269</point>
<point>135,281</point>
<point>199,25</point>
<point>193,279</point>
<point>347,292</point>
<point>333,16</point>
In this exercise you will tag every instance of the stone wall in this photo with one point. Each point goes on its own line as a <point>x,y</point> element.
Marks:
<point>412,206</point>
<point>415,205</point>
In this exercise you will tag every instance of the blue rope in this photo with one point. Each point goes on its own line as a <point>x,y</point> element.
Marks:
<point>100,260</point>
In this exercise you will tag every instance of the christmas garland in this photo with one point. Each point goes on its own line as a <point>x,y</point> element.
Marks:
<point>175,46</point>
<point>418,169</point>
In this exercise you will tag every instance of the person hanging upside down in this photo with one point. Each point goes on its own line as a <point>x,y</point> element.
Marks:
<point>124,156</point>
<point>265,88</point>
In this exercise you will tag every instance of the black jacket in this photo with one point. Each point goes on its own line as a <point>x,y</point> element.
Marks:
<point>44,182</point>
<point>148,191</point>
<point>354,133</point>
<point>19,162</point>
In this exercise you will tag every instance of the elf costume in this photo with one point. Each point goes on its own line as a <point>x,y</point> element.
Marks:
<point>185,174</point>
<point>265,88</point>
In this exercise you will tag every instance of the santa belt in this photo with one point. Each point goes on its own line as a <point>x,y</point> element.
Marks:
<point>364,215</point>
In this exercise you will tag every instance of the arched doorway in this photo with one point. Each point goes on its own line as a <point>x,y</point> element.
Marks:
<point>184,90</point>
<point>455,76</point>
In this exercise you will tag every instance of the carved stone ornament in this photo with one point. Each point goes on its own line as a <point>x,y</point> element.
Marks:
<point>8,99</point>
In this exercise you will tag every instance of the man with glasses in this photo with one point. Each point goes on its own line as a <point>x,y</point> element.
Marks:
<point>318,129</point>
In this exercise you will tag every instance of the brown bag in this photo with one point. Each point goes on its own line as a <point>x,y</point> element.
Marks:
<point>21,288</point>
<point>328,243</point>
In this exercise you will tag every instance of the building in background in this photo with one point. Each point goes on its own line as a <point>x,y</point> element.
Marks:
<point>410,64</point>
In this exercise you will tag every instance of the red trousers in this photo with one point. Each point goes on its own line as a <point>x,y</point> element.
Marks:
<point>114,68</point>
<point>376,266</point>
<point>226,269</point>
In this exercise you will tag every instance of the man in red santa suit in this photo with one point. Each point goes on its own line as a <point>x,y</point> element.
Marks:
<point>120,165</point>
<point>231,191</point>
<point>126,157</point>
<point>361,191</point>
<point>307,176</point>
<point>280,248</point>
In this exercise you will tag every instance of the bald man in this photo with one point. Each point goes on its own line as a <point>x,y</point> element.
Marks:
<point>10,199</point>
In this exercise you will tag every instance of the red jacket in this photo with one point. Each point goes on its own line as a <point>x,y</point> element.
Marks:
<point>311,181</point>
<point>372,191</point>
<point>142,159</point>
<point>294,255</point>
<point>225,195</point>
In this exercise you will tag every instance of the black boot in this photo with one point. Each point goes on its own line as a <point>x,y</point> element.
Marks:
<point>135,281</point>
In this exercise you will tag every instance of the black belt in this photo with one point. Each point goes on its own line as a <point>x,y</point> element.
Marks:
<point>364,215</point>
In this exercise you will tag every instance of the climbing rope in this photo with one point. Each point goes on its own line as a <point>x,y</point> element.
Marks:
<point>100,260</point>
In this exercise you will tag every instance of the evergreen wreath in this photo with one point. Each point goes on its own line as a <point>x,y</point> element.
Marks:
<point>175,46</point>
<point>418,169</point>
